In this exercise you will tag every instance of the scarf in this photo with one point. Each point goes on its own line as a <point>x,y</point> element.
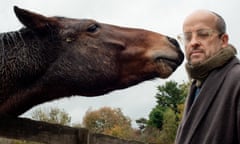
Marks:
<point>201,71</point>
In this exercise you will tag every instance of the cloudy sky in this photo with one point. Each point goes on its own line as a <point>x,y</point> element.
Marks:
<point>163,16</point>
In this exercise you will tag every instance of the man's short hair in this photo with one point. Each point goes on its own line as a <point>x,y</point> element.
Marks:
<point>221,25</point>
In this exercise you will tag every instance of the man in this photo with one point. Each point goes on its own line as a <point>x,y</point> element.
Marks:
<point>212,111</point>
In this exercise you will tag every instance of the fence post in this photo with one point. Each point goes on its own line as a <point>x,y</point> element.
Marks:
<point>82,136</point>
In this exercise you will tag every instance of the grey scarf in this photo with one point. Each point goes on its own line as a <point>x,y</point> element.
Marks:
<point>200,72</point>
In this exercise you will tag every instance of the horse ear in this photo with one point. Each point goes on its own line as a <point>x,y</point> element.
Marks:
<point>33,20</point>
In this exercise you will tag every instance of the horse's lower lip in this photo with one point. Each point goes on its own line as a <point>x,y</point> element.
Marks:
<point>172,63</point>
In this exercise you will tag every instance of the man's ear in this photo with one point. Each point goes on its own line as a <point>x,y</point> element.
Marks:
<point>34,21</point>
<point>224,39</point>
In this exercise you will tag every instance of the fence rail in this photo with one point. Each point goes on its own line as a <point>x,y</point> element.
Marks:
<point>30,130</point>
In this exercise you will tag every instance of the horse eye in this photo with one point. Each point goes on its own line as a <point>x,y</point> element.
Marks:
<point>93,28</point>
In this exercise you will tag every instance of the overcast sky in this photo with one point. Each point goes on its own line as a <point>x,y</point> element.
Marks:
<point>163,16</point>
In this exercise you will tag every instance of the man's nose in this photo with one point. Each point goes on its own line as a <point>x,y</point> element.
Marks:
<point>194,40</point>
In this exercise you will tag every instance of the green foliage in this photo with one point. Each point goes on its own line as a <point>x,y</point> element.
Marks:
<point>52,115</point>
<point>142,123</point>
<point>156,117</point>
<point>149,135</point>
<point>171,95</point>
<point>169,130</point>
<point>165,116</point>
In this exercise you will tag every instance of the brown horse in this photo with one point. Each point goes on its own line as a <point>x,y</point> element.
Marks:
<point>54,57</point>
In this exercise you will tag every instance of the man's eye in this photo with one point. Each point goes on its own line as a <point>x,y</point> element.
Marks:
<point>203,33</point>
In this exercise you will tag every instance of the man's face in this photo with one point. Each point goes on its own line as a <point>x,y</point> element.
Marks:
<point>202,40</point>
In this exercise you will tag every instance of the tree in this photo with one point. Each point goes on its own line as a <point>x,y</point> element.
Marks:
<point>150,135</point>
<point>165,116</point>
<point>156,117</point>
<point>169,129</point>
<point>142,123</point>
<point>52,115</point>
<point>171,95</point>
<point>108,121</point>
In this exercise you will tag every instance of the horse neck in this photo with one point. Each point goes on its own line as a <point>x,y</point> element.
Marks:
<point>20,58</point>
<point>16,44</point>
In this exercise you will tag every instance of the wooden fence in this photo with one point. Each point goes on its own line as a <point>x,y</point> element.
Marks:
<point>30,130</point>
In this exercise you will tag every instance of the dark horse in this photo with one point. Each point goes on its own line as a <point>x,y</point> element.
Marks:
<point>54,57</point>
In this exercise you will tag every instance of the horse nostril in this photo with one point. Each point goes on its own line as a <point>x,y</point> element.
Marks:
<point>173,41</point>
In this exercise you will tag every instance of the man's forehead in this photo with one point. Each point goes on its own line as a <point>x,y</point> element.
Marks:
<point>200,18</point>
